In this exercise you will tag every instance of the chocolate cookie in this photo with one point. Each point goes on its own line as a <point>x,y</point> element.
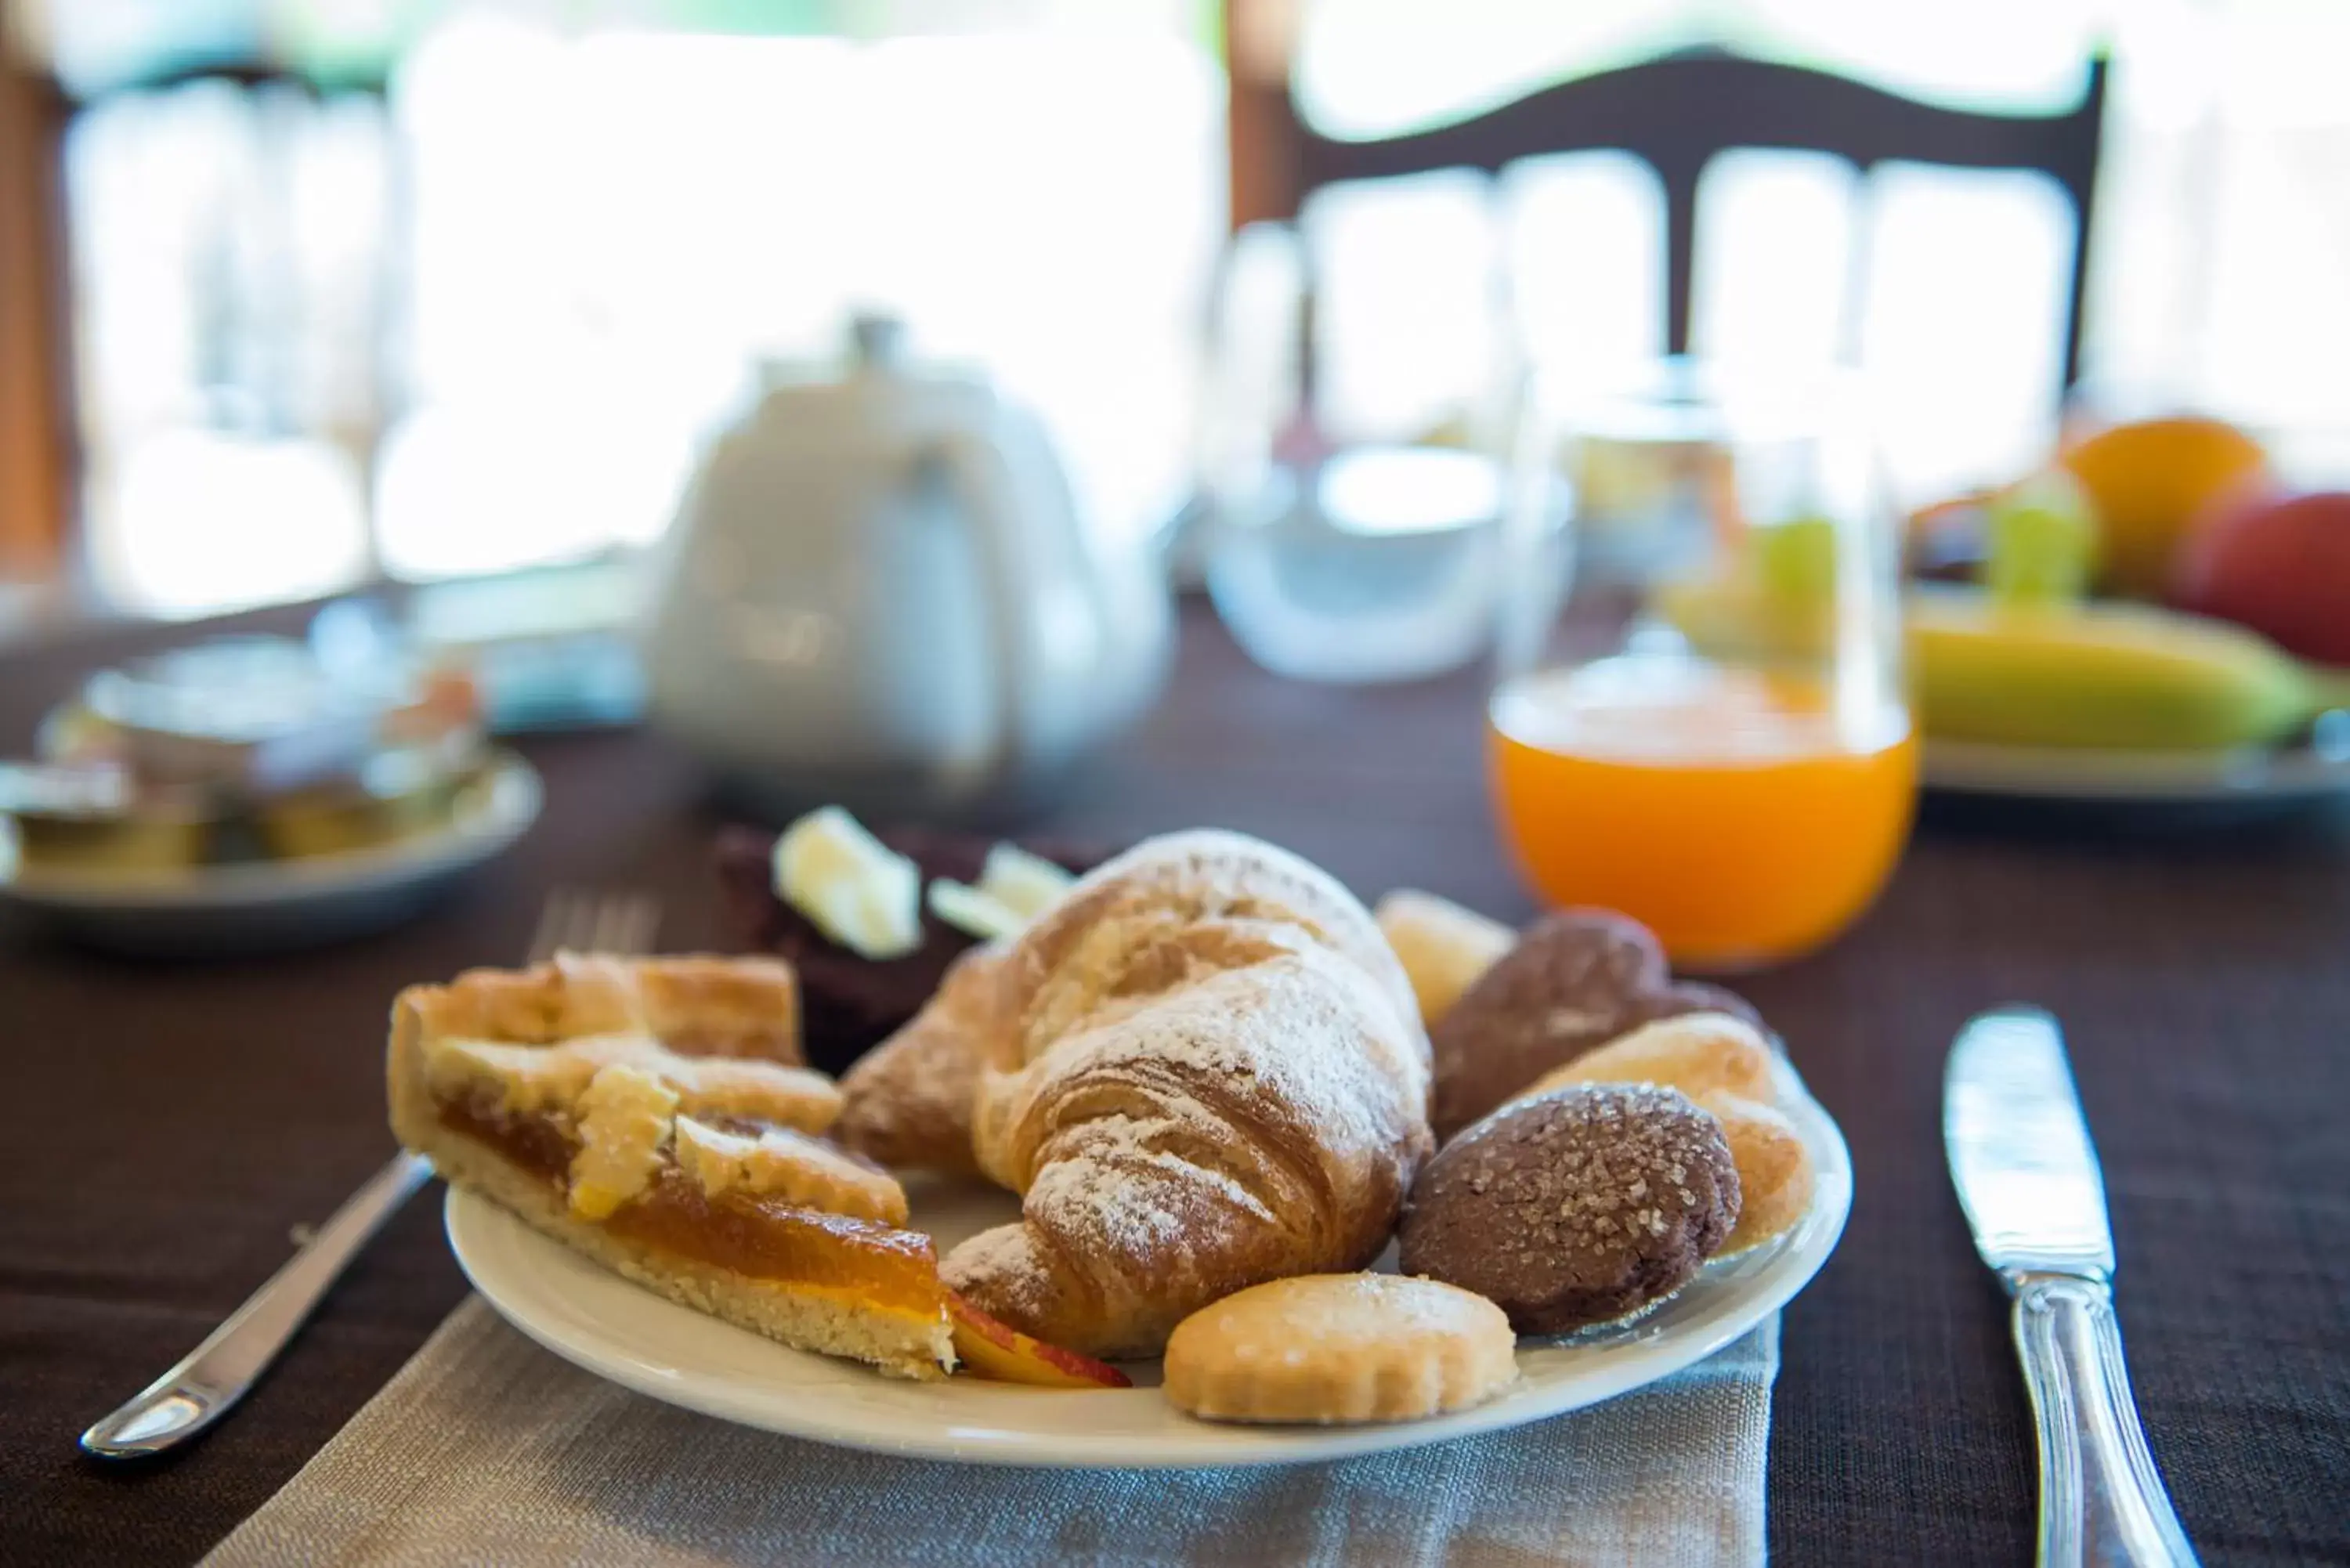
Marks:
<point>850,1003</point>
<point>1576,980</point>
<point>1577,1206</point>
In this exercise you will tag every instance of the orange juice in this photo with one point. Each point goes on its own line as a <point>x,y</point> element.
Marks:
<point>1744,817</point>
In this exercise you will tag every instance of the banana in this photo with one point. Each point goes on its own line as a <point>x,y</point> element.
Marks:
<point>2123,676</point>
<point>2329,685</point>
<point>2126,677</point>
<point>1734,617</point>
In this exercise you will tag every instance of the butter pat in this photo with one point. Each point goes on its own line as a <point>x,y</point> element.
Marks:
<point>1014,888</point>
<point>1025,884</point>
<point>850,883</point>
<point>971,911</point>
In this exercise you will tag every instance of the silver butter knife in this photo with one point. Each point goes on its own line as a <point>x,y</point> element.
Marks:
<point>2027,1177</point>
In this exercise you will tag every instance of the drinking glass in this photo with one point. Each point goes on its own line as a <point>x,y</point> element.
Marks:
<point>1349,536</point>
<point>1697,715</point>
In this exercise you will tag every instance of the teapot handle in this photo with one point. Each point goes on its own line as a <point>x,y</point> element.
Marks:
<point>970,471</point>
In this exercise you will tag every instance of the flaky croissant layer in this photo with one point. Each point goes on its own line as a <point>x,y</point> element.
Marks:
<point>1202,1070</point>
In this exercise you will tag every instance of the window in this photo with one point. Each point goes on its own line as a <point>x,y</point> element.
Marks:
<point>483,318</point>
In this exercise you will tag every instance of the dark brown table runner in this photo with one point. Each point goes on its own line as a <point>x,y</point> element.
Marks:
<point>162,1127</point>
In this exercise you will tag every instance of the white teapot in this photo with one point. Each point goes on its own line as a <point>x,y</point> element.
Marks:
<point>877,592</point>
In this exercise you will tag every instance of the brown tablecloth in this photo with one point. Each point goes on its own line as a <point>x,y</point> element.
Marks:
<point>162,1127</point>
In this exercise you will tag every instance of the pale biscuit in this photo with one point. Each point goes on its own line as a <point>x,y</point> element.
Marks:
<point>1339,1348</point>
<point>1774,1169</point>
<point>1699,1054</point>
<point>1443,946</point>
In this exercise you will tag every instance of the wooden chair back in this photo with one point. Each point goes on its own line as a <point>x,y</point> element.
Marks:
<point>1676,114</point>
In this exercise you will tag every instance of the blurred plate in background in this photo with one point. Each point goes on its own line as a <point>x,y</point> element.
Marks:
<point>2266,776</point>
<point>281,904</point>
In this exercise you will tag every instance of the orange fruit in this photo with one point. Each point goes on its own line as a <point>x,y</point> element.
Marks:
<point>2149,480</point>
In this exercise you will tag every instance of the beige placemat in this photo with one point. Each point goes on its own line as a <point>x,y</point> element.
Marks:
<point>487,1449</point>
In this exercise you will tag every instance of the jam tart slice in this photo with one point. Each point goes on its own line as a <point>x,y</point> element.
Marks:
<point>651,1115</point>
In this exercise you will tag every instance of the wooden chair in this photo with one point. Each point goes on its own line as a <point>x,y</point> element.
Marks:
<point>1676,114</point>
<point>36,433</point>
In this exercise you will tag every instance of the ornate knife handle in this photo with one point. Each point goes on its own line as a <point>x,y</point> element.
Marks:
<point>2101,1499</point>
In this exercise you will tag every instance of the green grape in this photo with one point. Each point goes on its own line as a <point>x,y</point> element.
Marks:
<point>1796,561</point>
<point>2042,540</point>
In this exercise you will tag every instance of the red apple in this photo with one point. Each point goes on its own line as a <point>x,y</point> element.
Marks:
<point>993,1348</point>
<point>2278,564</point>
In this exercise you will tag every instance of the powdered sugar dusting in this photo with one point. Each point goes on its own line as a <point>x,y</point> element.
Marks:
<point>1207,1088</point>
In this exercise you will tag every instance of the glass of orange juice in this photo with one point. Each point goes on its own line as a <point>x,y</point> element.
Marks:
<point>1698,716</point>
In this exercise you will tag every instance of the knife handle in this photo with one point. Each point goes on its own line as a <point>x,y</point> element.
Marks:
<point>2101,1499</point>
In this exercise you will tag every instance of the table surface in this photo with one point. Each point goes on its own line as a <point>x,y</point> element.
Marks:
<point>164,1127</point>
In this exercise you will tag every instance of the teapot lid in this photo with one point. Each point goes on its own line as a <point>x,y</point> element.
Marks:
<point>876,345</point>
<point>883,395</point>
<point>878,364</point>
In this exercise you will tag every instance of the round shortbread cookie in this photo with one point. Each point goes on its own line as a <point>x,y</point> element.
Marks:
<point>1337,1348</point>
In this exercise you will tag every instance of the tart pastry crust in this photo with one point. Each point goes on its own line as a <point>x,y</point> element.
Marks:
<point>653,1116</point>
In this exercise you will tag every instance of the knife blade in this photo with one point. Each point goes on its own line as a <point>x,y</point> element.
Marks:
<point>2028,1179</point>
<point>2020,1153</point>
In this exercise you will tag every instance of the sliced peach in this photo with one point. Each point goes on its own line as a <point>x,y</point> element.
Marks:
<point>993,1348</point>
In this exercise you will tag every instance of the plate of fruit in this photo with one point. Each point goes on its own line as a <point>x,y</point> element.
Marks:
<point>2155,616</point>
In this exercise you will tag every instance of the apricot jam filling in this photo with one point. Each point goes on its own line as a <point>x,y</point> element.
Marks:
<point>534,1145</point>
<point>756,1237</point>
<point>765,1239</point>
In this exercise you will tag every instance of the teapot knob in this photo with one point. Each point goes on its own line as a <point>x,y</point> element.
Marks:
<point>880,338</point>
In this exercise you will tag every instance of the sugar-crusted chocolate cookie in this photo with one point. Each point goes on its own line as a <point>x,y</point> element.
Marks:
<point>1577,1207</point>
<point>1576,980</point>
<point>1727,1068</point>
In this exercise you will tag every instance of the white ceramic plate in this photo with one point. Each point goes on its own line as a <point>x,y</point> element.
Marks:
<point>641,1341</point>
<point>2248,775</point>
<point>283,903</point>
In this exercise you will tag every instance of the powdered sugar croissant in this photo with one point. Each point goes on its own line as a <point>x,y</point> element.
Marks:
<point>907,1101</point>
<point>1204,1069</point>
